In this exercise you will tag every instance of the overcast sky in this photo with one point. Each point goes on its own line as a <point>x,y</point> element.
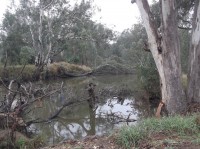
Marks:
<point>120,14</point>
<point>116,14</point>
<point>3,6</point>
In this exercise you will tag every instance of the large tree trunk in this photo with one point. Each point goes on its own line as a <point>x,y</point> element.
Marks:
<point>166,52</point>
<point>194,58</point>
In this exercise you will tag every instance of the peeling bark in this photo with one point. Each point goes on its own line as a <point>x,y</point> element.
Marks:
<point>47,58</point>
<point>193,91</point>
<point>166,53</point>
<point>40,56</point>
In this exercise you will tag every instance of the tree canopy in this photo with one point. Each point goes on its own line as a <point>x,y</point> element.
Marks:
<point>55,30</point>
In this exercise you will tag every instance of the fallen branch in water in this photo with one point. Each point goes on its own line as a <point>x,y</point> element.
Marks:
<point>127,120</point>
<point>117,118</point>
<point>18,99</point>
<point>56,113</point>
<point>65,105</point>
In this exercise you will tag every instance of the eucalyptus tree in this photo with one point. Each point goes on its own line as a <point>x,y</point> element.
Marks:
<point>130,44</point>
<point>47,21</point>
<point>193,92</point>
<point>32,21</point>
<point>90,39</point>
<point>54,28</point>
<point>164,45</point>
<point>11,38</point>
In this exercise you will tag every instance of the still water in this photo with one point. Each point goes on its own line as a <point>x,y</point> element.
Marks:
<point>117,101</point>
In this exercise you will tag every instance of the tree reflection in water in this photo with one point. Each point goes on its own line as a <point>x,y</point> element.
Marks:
<point>116,104</point>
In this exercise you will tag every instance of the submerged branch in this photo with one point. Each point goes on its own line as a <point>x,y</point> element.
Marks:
<point>56,113</point>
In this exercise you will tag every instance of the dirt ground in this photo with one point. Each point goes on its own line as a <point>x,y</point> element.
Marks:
<point>90,142</point>
<point>156,141</point>
<point>164,141</point>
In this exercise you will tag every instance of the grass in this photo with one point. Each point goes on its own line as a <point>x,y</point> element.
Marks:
<point>28,73</point>
<point>36,142</point>
<point>15,72</point>
<point>68,67</point>
<point>130,136</point>
<point>54,69</point>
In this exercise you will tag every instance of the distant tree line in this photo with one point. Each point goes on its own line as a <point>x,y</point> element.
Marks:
<point>53,31</point>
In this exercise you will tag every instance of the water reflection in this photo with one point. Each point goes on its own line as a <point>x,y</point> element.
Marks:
<point>116,102</point>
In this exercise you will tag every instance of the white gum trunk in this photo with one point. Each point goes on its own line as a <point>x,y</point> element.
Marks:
<point>47,57</point>
<point>168,59</point>
<point>194,58</point>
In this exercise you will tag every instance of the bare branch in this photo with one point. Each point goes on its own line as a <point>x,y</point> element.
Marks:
<point>9,88</point>
<point>48,5</point>
<point>56,113</point>
<point>39,98</point>
<point>21,71</point>
<point>5,64</point>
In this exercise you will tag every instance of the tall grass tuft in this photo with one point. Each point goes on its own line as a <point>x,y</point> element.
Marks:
<point>175,124</point>
<point>131,135</point>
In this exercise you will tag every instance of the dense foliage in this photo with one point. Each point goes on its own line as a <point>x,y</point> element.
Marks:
<point>66,30</point>
<point>70,34</point>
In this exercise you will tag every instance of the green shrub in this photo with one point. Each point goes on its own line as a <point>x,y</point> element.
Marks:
<point>21,143</point>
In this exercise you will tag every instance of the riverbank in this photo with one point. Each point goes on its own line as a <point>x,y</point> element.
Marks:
<point>180,132</point>
<point>52,71</point>
<point>57,70</point>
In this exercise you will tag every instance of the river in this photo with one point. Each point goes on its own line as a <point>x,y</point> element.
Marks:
<point>118,100</point>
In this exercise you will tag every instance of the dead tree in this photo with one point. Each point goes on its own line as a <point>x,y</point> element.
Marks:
<point>92,97</point>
